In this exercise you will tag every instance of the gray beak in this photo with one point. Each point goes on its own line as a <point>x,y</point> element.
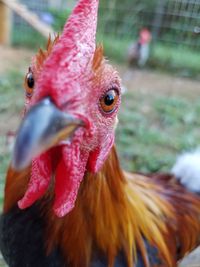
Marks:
<point>43,127</point>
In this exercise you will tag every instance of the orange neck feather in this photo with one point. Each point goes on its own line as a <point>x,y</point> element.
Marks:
<point>97,219</point>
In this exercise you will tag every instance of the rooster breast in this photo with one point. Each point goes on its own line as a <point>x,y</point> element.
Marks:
<point>22,240</point>
<point>22,243</point>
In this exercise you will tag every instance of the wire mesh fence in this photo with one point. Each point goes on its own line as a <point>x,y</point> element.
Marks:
<point>22,33</point>
<point>172,22</point>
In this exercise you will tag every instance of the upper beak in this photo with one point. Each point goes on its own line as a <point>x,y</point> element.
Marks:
<point>43,127</point>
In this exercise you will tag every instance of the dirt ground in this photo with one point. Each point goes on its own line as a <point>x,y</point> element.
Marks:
<point>144,81</point>
<point>14,59</point>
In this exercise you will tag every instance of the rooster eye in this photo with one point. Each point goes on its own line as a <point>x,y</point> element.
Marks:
<point>29,83</point>
<point>109,100</point>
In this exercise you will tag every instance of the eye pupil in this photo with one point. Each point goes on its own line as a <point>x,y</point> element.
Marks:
<point>30,80</point>
<point>109,99</point>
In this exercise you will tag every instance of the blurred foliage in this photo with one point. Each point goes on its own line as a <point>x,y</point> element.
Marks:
<point>10,103</point>
<point>180,61</point>
<point>11,86</point>
<point>60,17</point>
<point>27,37</point>
<point>4,161</point>
<point>154,129</point>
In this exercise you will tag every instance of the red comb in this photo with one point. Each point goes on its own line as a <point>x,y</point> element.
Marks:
<point>72,53</point>
<point>80,30</point>
<point>78,39</point>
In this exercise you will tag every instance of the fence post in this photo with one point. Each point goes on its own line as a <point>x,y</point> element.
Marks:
<point>157,23</point>
<point>5,24</point>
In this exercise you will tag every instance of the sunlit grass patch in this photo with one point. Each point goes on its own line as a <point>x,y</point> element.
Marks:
<point>153,130</point>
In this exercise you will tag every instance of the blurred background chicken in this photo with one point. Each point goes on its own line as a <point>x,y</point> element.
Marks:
<point>138,52</point>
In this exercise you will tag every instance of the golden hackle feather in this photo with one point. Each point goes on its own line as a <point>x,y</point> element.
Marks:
<point>115,211</point>
<point>98,58</point>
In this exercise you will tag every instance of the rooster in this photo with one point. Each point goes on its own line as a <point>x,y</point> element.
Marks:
<point>138,53</point>
<point>67,202</point>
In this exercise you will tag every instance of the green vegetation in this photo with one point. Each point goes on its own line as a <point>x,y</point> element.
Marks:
<point>10,89</point>
<point>181,60</point>
<point>27,37</point>
<point>11,103</point>
<point>4,160</point>
<point>115,49</point>
<point>154,129</point>
<point>60,16</point>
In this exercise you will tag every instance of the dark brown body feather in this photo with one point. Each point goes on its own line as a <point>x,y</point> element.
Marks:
<point>116,211</point>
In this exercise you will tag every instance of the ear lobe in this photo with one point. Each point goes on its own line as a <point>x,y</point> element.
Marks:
<point>98,156</point>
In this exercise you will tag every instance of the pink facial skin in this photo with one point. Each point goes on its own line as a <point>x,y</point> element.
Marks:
<point>69,79</point>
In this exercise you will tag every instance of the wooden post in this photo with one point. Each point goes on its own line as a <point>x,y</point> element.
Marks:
<point>157,23</point>
<point>159,14</point>
<point>5,24</point>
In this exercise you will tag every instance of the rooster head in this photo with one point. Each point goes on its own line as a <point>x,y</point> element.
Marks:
<point>71,113</point>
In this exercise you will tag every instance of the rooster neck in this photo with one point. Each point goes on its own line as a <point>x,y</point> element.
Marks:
<point>113,214</point>
<point>97,220</point>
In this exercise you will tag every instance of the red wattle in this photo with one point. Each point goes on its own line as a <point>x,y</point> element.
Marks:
<point>98,156</point>
<point>69,174</point>
<point>39,182</point>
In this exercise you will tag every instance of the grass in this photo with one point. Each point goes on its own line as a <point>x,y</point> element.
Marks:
<point>154,129</point>
<point>182,60</point>
<point>10,89</point>
<point>10,103</point>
